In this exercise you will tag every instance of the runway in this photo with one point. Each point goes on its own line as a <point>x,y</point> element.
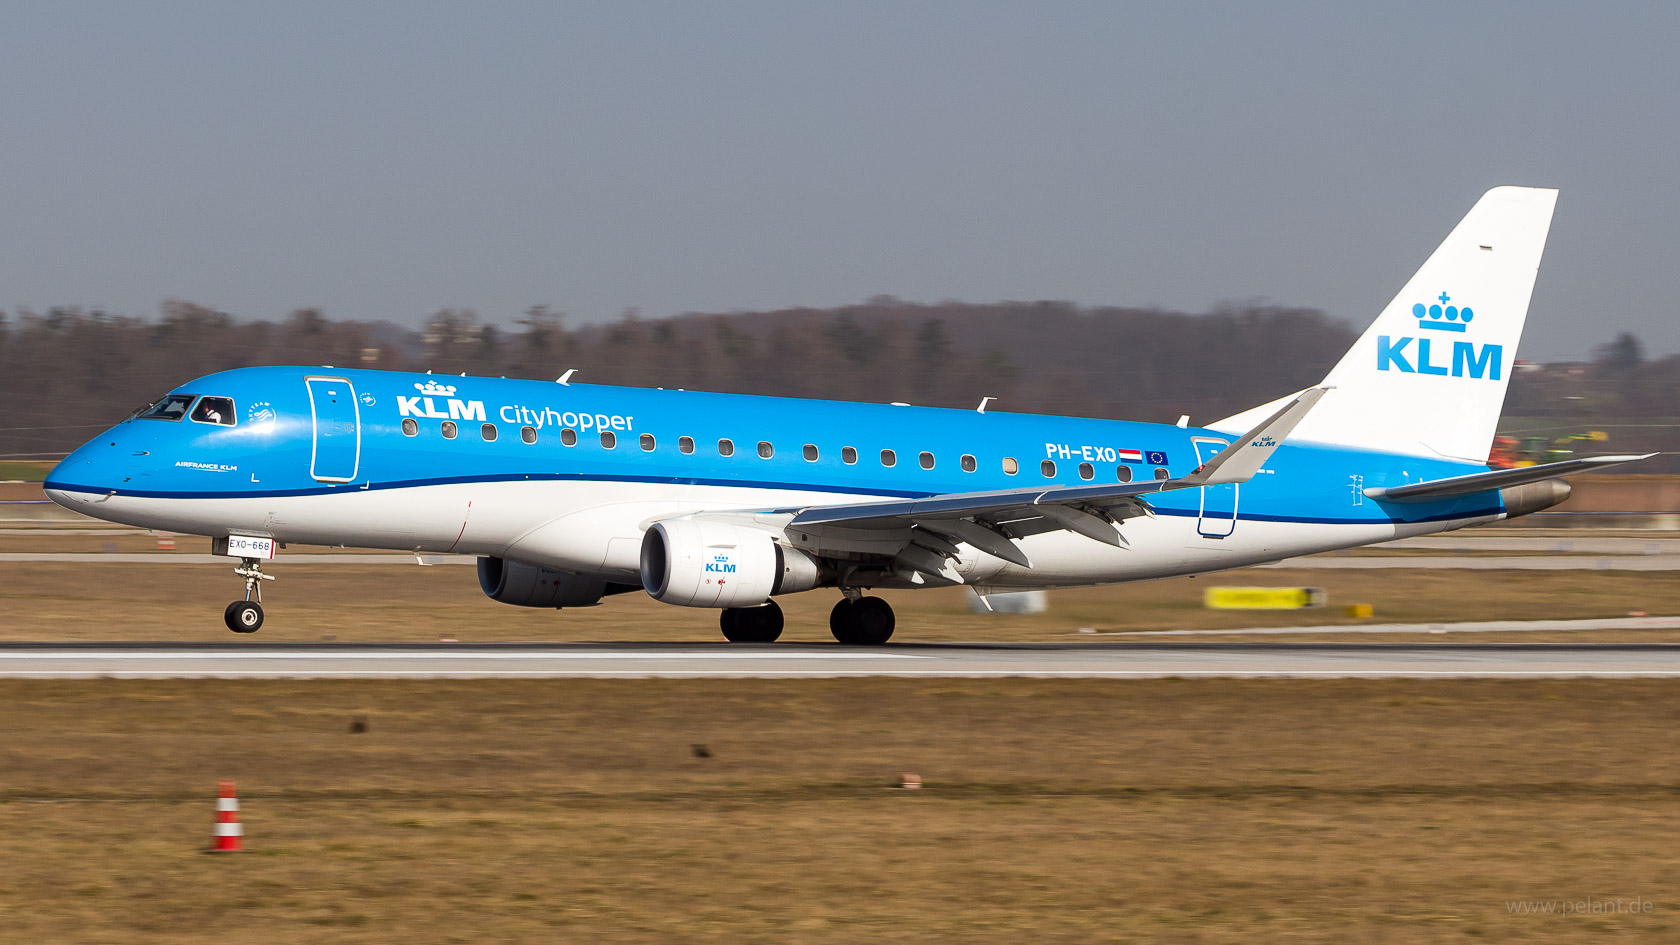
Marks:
<point>664,660</point>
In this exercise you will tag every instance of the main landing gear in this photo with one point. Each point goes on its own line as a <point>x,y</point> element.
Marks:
<point>246,616</point>
<point>859,621</point>
<point>761,624</point>
<point>862,621</point>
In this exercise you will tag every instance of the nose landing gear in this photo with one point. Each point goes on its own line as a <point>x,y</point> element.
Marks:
<point>246,616</point>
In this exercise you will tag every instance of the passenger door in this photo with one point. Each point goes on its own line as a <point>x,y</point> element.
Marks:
<point>338,430</point>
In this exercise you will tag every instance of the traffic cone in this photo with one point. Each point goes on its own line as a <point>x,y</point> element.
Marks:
<point>229,836</point>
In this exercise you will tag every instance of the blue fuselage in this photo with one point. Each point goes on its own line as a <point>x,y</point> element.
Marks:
<point>299,432</point>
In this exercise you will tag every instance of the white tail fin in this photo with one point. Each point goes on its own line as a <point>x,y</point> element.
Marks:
<point>1429,376</point>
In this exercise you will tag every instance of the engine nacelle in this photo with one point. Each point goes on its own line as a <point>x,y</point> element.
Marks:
<point>526,585</point>
<point>699,563</point>
<point>1533,496</point>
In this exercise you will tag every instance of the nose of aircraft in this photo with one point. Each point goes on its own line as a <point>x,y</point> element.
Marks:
<point>97,468</point>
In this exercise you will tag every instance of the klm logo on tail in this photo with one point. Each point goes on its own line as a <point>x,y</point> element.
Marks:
<point>1412,355</point>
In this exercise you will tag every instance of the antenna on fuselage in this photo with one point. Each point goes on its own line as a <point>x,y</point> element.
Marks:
<point>983,402</point>
<point>565,380</point>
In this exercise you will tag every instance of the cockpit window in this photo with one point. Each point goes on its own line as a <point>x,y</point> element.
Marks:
<point>173,407</point>
<point>214,410</point>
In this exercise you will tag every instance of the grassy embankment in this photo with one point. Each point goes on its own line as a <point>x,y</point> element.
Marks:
<point>25,471</point>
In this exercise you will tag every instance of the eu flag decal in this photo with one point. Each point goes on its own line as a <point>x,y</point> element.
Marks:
<point>1157,458</point>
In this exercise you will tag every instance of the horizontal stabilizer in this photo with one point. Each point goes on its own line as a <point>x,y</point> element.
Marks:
<point>1495,479</point>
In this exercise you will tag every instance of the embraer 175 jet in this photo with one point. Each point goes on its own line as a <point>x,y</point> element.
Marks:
<point>569,492</point>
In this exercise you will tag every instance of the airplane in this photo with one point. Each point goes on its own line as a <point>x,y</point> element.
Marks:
<point>569,493</point>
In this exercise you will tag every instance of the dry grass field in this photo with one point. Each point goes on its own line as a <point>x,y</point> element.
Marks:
<point>1054,811</point>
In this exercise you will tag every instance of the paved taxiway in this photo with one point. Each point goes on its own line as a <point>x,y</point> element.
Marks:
<point>246,659</point>
<point>1469,626</point>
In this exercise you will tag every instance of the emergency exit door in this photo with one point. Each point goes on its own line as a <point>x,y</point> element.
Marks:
<point>338,430</point>
<point>1219,503</point>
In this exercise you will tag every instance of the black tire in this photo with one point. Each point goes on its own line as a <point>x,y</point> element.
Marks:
<point>243,616</point>
<point>867,621</point>
<point>838,617</point>
<point>752,624</point>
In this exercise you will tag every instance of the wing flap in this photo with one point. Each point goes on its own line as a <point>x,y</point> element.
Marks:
<point>990,520</point>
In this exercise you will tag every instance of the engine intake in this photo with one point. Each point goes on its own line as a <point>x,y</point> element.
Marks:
<point>699,563</point>
<point>527,585</point>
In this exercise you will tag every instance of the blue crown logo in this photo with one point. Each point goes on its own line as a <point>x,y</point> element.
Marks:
<point>1438,318</point>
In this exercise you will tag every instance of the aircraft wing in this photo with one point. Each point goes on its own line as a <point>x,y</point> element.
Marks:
<point>991,520</point>
<point>1494,479</point>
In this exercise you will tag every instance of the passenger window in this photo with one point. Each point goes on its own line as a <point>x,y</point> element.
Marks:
<point>926,459</point>
<point>217,410</point>
<point>1161,473</point>
<point>528,434</point>
<point>173,407</point>
<point>608,439</point>
<point>647,442</point>
<point>449,429</point>
<point>1048,468</point>
<point>568,436</point>
<point>810,453</point>
<point>1087,471</point>
<point>685,443</point>
<point>848,456</point>
<point>726,447</point>
<point>1010,466</point>
<point>765,450</point>
<point>489,432</point>
<point>1123,473</point>
<point>410,428</point>
<point>968,464</point>
<point>889,458</point>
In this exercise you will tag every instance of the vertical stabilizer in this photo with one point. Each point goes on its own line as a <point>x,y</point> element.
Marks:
<point>1429,376</point>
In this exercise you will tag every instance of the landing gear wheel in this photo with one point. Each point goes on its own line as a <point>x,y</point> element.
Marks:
<point>243,616</point>
<point>752,624</point>
<point>867,621</point>
<point>246,616</point>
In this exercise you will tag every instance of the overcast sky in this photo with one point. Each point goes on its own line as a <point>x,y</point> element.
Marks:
<point>383,160</point>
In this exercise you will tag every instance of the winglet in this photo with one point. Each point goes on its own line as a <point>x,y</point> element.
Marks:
<point>1243,458</point>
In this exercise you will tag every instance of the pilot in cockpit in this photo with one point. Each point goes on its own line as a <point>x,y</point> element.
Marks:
<point>214,410</point>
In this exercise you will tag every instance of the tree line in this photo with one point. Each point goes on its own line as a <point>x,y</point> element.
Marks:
<point>69,372</point>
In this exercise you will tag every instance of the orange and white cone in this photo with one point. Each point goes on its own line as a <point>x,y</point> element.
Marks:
<point>229,836</point>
